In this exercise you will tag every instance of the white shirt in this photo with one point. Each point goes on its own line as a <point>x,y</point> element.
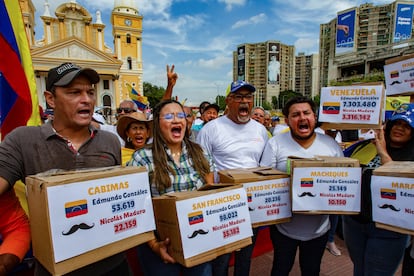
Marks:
<point>233,145</point>
<point>112,129</point>
<point>279,128</point>
<point>275,154</point>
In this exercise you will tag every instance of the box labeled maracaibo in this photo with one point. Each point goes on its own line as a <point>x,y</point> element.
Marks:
<point>203,225</point>
<point>80,217</point>
<point>392,192</point>
<point>268,193</point>
<point>325,185</point>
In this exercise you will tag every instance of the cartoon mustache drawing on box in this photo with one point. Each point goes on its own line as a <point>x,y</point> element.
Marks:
<point>306,194</point>
<point>76,227</point>
<point>197,232</point>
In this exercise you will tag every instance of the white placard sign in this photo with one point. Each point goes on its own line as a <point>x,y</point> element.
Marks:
<point>90,214</point>
<point>326,189</point>
<point>392,201</point>
<point>351,104</point>
<point>269,199</point>
<point>212,221</point>
<point>398,77</point>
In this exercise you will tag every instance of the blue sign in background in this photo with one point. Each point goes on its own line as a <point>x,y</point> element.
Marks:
<point>345,32</point>
<point>403,22</point>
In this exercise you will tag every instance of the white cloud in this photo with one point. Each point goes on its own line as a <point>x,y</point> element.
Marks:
<point>307,45</point>
<point>230,3</point>
<point>251,21</point>
<point>216,62</point>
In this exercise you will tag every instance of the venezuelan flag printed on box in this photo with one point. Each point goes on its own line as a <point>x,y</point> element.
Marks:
<point>306,182</point>
<point>388,193</point>
<point>18,96</point>
<point>195,217</point>
<point>76,208</point>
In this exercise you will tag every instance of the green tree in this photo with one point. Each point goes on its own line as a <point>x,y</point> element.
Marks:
<point>377,77</point>
<point>317,99</point>
<point>267,105</point>
<point>153,93</point>
<point>275,102</point>
<point>285,96</point>
<point>221,101</point>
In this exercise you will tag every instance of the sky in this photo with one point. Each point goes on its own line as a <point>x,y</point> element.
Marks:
<point>199,36</point>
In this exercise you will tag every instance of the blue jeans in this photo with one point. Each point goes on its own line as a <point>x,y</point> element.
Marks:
<point>373,251</point>
<point>310,253</point>
<point>242,260</point>
<point>151,264</point>
<point>333,219</point>
<point>408,263</point>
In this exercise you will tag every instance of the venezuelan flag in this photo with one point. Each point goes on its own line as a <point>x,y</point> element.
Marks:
<point>388,193</point>
<point>195,217</point>
<point>18,96</point>
<point>331,107</point>
<point>306,182</point>
<point>76,208</point>
<point>141,101</point>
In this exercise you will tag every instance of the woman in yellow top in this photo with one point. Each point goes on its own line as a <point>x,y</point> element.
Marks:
<point>135,130</point>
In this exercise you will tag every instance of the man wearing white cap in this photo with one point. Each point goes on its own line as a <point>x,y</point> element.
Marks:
<point>235,141</point>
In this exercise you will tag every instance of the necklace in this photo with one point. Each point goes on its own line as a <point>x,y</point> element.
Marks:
<point>177,154</point>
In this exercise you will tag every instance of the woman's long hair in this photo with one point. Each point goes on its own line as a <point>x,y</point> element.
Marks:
<point>162,171</point>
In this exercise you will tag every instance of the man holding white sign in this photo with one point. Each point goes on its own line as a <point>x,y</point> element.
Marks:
<point>308,232</point>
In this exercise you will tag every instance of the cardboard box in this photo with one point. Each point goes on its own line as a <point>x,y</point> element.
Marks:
<point>392,193</point>
<point>325,185</point>
<point>268,193</point>
<point>203,225</point>
<point>80,217</point>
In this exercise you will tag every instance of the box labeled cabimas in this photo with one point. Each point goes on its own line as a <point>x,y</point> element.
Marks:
<point>325,185</point>
<point>80,217</point>
<point>268,193</point>
<point>203,225</point>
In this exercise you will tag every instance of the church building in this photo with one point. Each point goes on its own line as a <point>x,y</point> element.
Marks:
<point>72,34</point>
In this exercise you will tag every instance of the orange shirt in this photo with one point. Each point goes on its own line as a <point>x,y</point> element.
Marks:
<point>14,226</point>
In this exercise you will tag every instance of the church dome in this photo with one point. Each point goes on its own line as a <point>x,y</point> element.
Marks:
<point>126,6</point>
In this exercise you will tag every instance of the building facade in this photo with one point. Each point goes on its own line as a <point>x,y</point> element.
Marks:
<point>70,35</point>
<point>269,66</point>
<point>359,40</point>
<point>307,74</point>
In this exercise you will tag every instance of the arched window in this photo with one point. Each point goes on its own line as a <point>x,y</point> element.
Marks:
<point>128,39</point>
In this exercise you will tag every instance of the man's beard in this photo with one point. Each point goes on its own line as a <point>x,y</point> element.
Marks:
<point>303,138</point>
<point>243,119</point>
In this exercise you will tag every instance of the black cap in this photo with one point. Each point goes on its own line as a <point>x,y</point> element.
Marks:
<point>66,72</point>
<point>213,105</point>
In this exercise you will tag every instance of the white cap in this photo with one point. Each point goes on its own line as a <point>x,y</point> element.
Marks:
<point>99,118</point>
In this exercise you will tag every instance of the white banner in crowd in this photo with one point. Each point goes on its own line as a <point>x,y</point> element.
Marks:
<point>351,104</point>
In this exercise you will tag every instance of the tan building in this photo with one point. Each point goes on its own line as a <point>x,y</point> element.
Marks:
<point>70,35</point>
<point>269,66</point>
<point>372,34</point>
<point>307,74</point>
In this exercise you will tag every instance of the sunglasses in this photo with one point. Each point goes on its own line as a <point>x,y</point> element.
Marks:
<point>125,110</point>
<point>170,116</point>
